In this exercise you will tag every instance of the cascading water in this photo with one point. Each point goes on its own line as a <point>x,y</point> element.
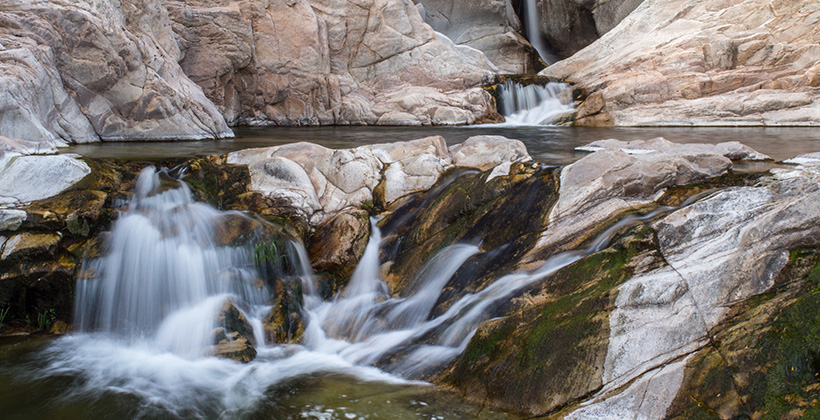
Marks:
<point>530,12</point>
<point>529,105</point>
<point>147,313</point>
<point>164,278</point>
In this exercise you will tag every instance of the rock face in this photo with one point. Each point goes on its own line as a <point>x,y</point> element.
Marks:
<point>623,175</point>
<point>490,26</point>
<point>571,25</point>
<point>94,70</point>
<point>319,181</point>
<point>326,62</point>
<point>675,62</point>
<point>741,236</point>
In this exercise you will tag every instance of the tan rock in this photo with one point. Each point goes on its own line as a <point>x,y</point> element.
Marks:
<point>307,62</point>
<point>112,62</point>
<point>676,62</point>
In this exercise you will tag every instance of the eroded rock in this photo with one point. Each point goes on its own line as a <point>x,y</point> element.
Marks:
<point>106,70</point>
<point>320,182</point>
<point>673,62</point>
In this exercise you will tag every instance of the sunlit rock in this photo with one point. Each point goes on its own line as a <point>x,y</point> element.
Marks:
<point>672,62</point>
<point>29,178</point>
<point>90,70</point>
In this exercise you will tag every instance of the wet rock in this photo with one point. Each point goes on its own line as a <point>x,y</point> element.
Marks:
<point>26,246</point>
<point>337,244</point>
<point>547,347</point>
<point>326,62</point>
<point>234,339</point>
<point>285,323</point>
<point>80,212</point>
<point>743,63</point>
<point>11,219</point>
<point>721,251</point>
<point>29,178</point>
<point>105,71</point>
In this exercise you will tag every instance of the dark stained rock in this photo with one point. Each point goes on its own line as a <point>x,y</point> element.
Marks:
<point>336,246</point>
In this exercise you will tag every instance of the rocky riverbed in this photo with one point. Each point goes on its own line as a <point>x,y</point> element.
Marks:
<point>669,260</point>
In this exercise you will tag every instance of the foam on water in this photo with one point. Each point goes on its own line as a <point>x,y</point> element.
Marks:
<point>532,105</point>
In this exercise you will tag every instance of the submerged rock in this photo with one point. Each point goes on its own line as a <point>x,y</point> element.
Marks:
<point>673,62</point>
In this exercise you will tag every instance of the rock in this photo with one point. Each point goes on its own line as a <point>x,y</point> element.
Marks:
<point>486,152</point>
<point>808,159</point>
<point>320,182</point>
<point>29,178</point>
<point>337,244</point>
<point>11,219</point>
<point>234,338</point>
<point>673,62</point>
<point>94,70</point>
<point>24,246</point>
<point>571,25</point>
<point>490,26</point>
<point>732,150</point>
<point>235,347</point>
<point>309,62</point>
<point>721,251</point>
<point>610,181</point>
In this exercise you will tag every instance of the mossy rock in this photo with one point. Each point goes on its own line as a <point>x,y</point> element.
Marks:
<point>507,212</point>
<point>764,360</point>
<point>549,348</point>
<point>214,181</point>
<point>285,323</point>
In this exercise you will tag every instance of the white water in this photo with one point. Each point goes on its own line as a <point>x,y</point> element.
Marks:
<point>534,33</point>
<point>147,315</point>
<point>533,105</point>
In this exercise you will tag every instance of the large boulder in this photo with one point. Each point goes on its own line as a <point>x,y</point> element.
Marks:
<point>490,26</point>
<point>327,62</point>
<point>619,176</point>
<point>320,182</point>
<point>97,70</point>
<point>676,62</point>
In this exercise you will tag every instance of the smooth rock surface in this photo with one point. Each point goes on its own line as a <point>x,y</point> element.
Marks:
<point>97,69</point>
<point>683,62</point>
<point>609,181</point>
<point>308,62</point>
<point>319,181</point>
<point>490,26</point>
<point>571,25</point>
<point>732,149</point>
<point>721,251</point>
<point>29,178</point>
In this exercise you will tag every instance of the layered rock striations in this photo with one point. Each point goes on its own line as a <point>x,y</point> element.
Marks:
<point>97,70</point>
<point>677,62</point>
<point>328,62</point>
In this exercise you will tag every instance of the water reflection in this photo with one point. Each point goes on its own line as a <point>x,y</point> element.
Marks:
<point>550,145</point>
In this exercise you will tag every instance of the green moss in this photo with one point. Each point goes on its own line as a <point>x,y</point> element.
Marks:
<point>769,353</point>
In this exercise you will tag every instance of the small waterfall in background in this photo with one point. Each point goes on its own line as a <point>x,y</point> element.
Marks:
<point>530,12</point>
<point>530,105</point>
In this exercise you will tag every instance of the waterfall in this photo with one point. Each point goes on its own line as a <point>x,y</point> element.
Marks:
<point>147,311</point>
<point>530,13</point>
<point>529,105</point>
<point>164,277</point>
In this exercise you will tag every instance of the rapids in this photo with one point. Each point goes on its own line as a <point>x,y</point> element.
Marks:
<point>146,312</point>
